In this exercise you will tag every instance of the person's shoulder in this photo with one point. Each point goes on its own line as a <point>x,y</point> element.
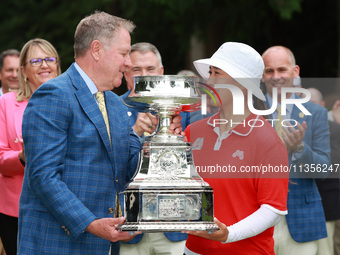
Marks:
<point>65,78</point>
<point>200,123</point>
<point>264,131</point>
<point>9,96</point>
<point>312,107</point>
<point>113,95</point>
<point>116,100</point>
<point>266,141</point>
<point>315,107</point>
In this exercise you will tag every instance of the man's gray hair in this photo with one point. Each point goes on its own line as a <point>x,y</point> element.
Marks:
<point>10,52</point>
<point>144,47</point>
<point>98,26</point>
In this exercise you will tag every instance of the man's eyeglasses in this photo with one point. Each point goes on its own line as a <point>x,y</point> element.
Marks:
<point>39,61</point>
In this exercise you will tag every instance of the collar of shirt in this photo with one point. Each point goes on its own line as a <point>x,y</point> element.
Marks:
<point>289,107</point>
<point>1,92</point>
<point>243,128</point>
<point>90,84</point>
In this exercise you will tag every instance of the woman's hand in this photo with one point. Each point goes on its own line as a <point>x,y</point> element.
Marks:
<point>220,235</point>
<point>22,152</point>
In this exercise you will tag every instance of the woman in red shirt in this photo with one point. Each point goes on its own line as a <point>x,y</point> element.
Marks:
<point>240,155</point>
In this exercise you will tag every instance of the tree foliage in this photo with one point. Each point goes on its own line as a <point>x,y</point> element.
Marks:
<point>307,27</point>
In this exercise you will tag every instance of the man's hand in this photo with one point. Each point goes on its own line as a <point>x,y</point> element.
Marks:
<point>220,235</point>
<point>146,122</point>
<point>176,126</point>
<point>106,228</point>
<point>293,136</point>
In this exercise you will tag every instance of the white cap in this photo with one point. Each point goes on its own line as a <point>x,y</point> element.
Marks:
<point>240,61</point>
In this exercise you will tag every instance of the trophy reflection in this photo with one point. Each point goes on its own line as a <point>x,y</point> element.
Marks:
<point>167,194</point>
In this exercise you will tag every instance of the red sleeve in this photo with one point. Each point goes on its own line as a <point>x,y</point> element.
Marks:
<point>187,133</point>
<point>274,191</point>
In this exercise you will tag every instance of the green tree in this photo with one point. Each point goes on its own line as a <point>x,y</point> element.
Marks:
<point>307,27</point>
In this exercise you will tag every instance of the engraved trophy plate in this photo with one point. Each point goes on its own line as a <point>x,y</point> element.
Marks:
<point>167,194</point>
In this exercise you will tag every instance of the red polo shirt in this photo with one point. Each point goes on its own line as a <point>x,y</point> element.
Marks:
<point>240,188</point>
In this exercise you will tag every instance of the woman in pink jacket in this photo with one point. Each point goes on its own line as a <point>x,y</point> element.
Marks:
<point>39,62</point>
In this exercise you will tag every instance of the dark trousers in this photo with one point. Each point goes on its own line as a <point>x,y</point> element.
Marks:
<point>8,233</point>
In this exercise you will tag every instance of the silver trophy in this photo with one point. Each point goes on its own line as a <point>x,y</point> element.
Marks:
<point>167,194</point>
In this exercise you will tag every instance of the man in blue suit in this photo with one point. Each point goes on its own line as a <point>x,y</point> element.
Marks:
<point>146,60</point>
<point>307,144</point>
<point>78,156</point>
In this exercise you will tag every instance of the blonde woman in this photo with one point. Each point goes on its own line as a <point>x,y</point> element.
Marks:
<point>39,62</point>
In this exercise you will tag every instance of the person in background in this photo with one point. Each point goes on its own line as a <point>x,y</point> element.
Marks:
<point>146,60</point>
<point>334,115</point>
<point>9,66</point>
<point>329,187</point>
<point>307,144</point>
<point>2,250</point>
<point>246,205</point>
<point>185,72</point>
<point>39,62</point>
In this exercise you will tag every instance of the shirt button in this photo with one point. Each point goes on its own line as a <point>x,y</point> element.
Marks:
<point>111,210</point>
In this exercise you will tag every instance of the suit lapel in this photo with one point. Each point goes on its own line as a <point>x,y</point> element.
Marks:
<point>297,114</point>
<point>88,103</point>
<point>116,125</point>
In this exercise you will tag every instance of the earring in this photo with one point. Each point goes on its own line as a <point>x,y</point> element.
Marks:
<point>26,79</point>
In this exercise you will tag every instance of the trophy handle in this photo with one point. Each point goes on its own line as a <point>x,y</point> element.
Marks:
<point>139,164</point>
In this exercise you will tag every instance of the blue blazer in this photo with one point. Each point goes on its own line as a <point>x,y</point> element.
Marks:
<point>305,218</point>
<point>172,236</point>
<point>72,173</point>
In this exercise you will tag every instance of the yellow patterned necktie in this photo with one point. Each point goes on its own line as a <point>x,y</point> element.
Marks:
<point>101,102</point>
<point>278,126</point>
<point>118,209</point>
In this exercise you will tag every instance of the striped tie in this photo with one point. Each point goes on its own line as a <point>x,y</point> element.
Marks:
<point>118,209</point>
<point>278,126</point>
<point>101,102</point>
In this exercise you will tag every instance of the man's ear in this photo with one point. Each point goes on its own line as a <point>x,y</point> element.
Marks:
<point>296,71</point>
<point>96,49</point>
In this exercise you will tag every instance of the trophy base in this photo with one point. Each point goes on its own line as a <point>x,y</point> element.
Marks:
<point>163,205</point>
<point>155,227</point>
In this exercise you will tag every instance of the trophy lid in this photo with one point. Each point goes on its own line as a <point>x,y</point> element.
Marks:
<point>163,91</point>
